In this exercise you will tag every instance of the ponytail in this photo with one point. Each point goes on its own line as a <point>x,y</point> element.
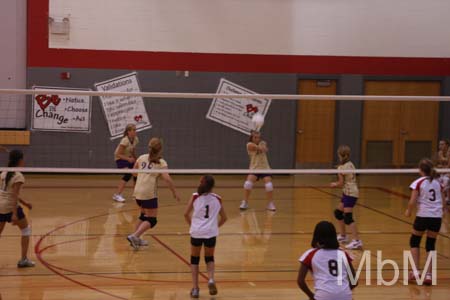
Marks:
<point>206,185</point>
<point>427,167</point>
<point>15,156</point>
<point>155,150</point>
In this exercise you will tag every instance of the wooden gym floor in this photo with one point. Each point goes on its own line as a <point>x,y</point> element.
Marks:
<point>81,252</point>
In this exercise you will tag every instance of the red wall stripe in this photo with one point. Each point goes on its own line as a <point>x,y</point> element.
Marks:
<point>40,55</point>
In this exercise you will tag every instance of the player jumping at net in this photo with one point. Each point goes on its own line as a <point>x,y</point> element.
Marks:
<point>257,151</point>
<point>10,210</point>
<point>125,157</point>
<point>145,191</point>
<point>328,265</point>
<point>202,214</point>
<point>350,193</point>
<point>426,196</point>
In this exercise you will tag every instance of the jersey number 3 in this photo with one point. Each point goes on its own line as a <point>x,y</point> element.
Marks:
<point>433,195</point>
<point>207,212</point>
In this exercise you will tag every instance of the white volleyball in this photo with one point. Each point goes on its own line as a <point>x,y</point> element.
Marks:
<point>258,120</point>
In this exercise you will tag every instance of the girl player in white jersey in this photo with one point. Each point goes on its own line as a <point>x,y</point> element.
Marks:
<point>145,191</point>
<point>125,157</point>
<point>202,214</point>
<point>330,276</point>
<point>10,210</point>
<point>426,196</point>
<point>350,193</point>
<point>257,152</point>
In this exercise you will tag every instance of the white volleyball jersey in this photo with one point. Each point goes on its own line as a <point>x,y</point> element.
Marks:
<point>205,223</point>
<point>6,192</point>
<point>326,272</point>
<point>429,202</point>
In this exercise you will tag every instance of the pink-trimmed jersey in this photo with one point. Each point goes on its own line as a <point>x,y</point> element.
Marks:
<point>326,270</point>
<point>205,224</point>
<point>429,202</point>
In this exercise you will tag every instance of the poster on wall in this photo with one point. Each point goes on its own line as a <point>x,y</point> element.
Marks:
<point>65,113</point>
<point>236,113</point>
<point>122,110</point>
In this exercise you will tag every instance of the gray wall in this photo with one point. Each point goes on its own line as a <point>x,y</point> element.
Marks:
<point>190,140</point>
<point>13,45</point>
<point>349,116</point>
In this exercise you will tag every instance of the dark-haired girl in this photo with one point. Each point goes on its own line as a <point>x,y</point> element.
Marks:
<point>10,210</point>
<point>328,265</point>
<point>426,196</point>
<point>125,157</point>
<point>202,214</point>
<point>145,191</point>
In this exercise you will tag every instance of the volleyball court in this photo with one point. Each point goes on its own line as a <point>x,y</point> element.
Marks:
<point>141,229</point>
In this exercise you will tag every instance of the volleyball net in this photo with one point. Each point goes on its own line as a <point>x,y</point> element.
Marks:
<point>77,131</point>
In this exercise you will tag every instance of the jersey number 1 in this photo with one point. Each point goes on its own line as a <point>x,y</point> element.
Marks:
<point>207,212</point>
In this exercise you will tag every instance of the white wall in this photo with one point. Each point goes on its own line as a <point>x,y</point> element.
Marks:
<point>13,45</point>
<point>405,28</point>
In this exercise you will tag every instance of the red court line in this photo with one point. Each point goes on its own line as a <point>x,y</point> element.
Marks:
<point>176,254</point>
<point>398,194</point>
<point>54,268</point>
<point>48,266</point>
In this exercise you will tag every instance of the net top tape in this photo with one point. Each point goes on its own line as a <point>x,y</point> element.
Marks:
<point>213,95</point>
<point>216,171</point>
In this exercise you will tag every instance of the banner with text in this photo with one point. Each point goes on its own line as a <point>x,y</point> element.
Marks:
<point>122,110</point>
<point>236,113</point>
<point>65,113</point>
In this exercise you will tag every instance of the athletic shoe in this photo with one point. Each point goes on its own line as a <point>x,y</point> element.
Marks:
<point>134,241</point>
<point>25,263</point>
<point>212,288</point>
<point>354,245</point>
<point>118,198</point>
<point>428,279</point>
<point>342,238</point>
<point>143,242</point>
<point>271,206</point>
<point>412,278</point>
<point>195,293</point>
<point>244,205</point>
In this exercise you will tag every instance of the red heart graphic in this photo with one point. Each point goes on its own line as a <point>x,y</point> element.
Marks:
<point>55,99</point>
<point>138,118</point>
<point>43,101</point>
<point>251,108</point>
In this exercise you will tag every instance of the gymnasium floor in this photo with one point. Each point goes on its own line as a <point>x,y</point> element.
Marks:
<point>81,252</point>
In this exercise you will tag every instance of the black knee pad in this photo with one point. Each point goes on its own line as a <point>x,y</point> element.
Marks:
<point>339,214</point>
<point>151,220</point>
<point>414,241</point>
<point>209,259</point>
<point>348,218</point>
<point>430,244</point>
<point>195,260</point>
<point>126,177</point>
<point>142,217</point>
